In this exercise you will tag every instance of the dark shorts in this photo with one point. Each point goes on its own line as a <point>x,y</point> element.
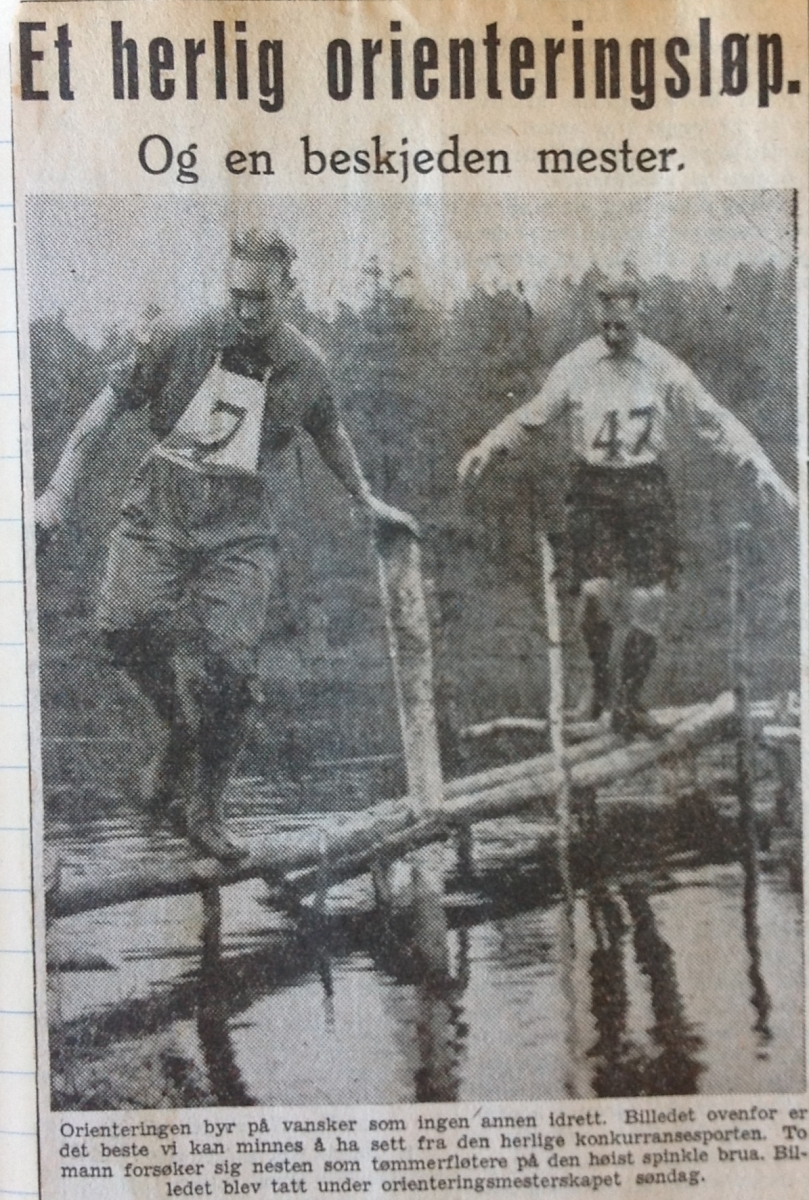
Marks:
<point>193,561</point>
<point>622,521</point>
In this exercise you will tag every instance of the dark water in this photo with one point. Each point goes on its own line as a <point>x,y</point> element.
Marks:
<point>220,1000</point>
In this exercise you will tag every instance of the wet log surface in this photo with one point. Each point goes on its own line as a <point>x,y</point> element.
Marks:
<point>352,842</point>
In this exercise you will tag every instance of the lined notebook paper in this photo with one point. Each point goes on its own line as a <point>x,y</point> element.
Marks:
<point>18,1143</point>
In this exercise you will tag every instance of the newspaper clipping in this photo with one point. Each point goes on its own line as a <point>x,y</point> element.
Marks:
<point>414,428</point>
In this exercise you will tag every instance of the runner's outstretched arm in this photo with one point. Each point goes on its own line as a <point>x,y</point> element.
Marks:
<point>512,432</point>
<point>87,437</point>
<point>130,382</point>
<point>726,433</point>
<point>336,448</point>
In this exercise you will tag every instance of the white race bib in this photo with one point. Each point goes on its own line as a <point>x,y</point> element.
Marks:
<point>621,420</point>
<point>221,427</point>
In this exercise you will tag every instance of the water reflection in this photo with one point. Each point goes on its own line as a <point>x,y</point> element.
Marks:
<point>440,1034</point>
<point>624,1066</point>
<point>760,997</point>
<point>612,1049</point>
<point>415,949</point>
<point>675,1070</point>
<point>213,1009</point>
<point>354,1008</point>
<point>567,965</point>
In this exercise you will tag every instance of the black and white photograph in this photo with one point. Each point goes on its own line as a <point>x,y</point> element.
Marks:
<point>417,597</point>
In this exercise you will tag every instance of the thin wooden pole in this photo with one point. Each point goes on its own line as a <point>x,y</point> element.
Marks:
<point>556,704</point>
<point>556,708</point>
<point>740,676</point>
<point>740,661</point>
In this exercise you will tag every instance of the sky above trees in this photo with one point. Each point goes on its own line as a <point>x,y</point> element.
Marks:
<point>101,260</point>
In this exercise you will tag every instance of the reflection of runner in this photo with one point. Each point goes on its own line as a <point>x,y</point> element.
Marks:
<point>618,390</point>
<point>622,1064</point>
<point>193,559</point>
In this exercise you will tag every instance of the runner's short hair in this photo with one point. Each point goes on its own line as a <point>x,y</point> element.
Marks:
<point>622,286</point>
<point>266,248</point>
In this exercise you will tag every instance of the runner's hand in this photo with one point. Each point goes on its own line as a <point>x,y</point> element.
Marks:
<point>50,513</point>
<point>509,435</point>
<point>385,515</point>
<point>773,488</point>
<point>473,463</point>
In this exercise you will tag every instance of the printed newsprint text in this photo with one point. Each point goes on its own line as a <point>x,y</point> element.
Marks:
<point>413,408</point>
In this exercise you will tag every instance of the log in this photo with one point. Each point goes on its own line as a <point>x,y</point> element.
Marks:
<point>781,735</point>
<point>410,643</point>
<point>504,725</point>
<point>574,731</point>
<point>468,785</point>
<point>390,822</point>
<point>390,828</point>
<point>411,657</point>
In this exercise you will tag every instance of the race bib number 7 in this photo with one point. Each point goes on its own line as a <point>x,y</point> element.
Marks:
<point>221,428</point>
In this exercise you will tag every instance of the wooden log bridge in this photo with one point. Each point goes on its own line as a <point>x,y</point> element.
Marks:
<point>393,828</point>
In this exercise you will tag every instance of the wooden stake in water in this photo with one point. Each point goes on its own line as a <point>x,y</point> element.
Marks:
<point>411,655</point>
<point>556,707</point>
<point>740,677</point>
<point>556,704</point>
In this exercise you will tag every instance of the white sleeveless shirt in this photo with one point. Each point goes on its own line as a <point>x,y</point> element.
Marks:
<point>619,406</point>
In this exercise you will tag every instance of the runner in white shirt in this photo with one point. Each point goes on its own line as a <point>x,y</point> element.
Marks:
<point>619,389</point>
